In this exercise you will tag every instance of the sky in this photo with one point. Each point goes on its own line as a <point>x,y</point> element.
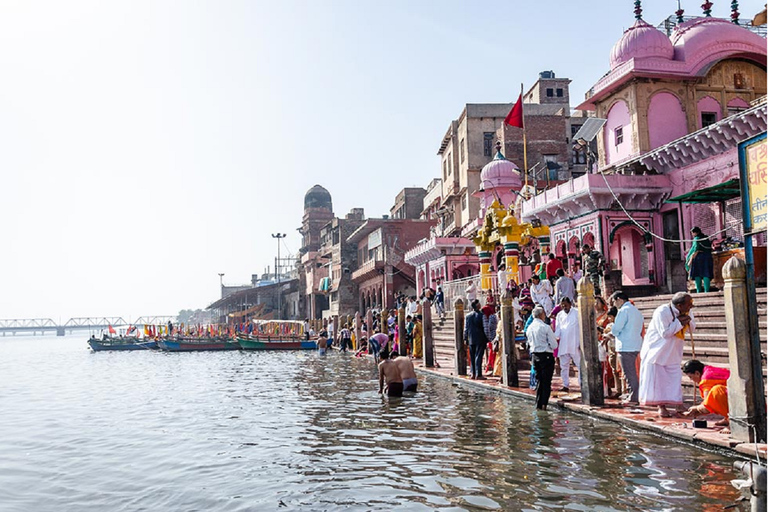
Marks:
<point>147,146</point>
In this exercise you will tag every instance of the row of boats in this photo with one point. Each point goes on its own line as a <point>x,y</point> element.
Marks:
<point>263,335</point>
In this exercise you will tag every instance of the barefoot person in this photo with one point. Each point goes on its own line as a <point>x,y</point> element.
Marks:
<point>662,354</point>
<point>389,373</point>
<point>408,374</point>
<point>712,382</point>
<point>322,344</point>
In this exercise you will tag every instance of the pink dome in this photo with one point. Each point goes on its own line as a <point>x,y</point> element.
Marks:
<point>500,173</point>
<point>640,41</point>
<point>702,40</point>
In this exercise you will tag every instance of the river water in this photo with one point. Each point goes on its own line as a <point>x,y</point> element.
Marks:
<point>260,431</point>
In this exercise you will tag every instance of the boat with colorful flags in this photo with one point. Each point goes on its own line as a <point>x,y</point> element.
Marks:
<point>121,343</point>
<point>188,344</point>
<point>275,335</point>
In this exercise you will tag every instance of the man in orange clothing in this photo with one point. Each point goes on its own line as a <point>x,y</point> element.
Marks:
<point>712,382</point>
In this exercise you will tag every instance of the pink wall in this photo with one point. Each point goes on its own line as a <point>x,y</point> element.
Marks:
<point>738,102</point>
<point>618,116</point>
<point>666,119</point>
<point>708,104</point>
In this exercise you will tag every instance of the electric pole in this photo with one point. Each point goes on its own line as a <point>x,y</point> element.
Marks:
<point>278,236</point>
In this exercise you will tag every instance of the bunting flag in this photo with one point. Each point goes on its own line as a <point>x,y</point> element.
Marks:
<point>146,330</point>
<point>131,328</point>
<point>515,116</point>
<point>112,330</point>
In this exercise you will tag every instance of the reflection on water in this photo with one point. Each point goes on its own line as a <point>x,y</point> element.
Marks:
<point>295,431</point>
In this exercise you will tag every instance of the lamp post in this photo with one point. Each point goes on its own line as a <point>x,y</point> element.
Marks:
<point>278,236</point>
<point>221,283</point>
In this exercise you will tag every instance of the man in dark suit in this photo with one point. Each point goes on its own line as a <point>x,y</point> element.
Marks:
<point>474,334</point>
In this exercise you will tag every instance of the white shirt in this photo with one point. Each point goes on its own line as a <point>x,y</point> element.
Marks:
<point>471,292</point>
<point>568,332</point>
<point>413,306</point>
<point>540,337</point>
<point>660,345</point>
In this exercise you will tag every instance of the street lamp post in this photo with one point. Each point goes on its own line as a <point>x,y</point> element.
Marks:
<point>221,283</point>
<point>278,236</point>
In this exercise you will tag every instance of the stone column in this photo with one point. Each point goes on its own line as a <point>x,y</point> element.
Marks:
<point>426,327</point>
<point>746,397</point>
<point>358,332</point>
<point>508,354</point>
<point>401,330</point>
<point>511,254</point>
<point>335,327</point>
<point>590,372</point>
<point>460,359</point>
<point>383,321</point>
<point>369,323</point>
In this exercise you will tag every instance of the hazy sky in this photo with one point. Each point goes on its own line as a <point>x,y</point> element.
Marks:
<point>146,146</point>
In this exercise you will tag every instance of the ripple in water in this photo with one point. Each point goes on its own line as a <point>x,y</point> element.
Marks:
<point>253,431</point>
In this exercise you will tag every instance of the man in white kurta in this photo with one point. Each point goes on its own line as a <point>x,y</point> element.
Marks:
<point>541,293</point>
<point>568,335</point>
<point>662,354</point>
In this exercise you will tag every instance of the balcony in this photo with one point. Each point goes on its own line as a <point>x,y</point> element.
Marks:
<point>369,269</point>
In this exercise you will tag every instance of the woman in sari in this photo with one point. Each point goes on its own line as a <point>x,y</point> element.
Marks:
<point>712,383</point>
<point>698,262</point>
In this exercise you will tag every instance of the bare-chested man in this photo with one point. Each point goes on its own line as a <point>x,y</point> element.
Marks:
<point>389,371</point>
<point>322,343</point>
<point>404,364</point>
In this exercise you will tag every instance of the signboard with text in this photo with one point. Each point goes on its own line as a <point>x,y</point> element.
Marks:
<point>754,183</point>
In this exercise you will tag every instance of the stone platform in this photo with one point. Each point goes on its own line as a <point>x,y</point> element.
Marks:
<point>644,418</point>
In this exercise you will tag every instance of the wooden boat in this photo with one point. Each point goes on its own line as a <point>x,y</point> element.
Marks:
<point>121,344</point>
<point>272,343</point>
<point>193,344</point>
<point>276,335</point>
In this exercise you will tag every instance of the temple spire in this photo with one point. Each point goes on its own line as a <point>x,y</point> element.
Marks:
<point>638,10</point>
<point>679,12</point>
<point>707,7</point>
<point>735,12</point>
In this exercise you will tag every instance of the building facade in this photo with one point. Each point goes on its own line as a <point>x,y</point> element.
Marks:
<point>675,107</point>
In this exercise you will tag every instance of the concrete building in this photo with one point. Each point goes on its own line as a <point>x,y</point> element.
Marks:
<point>408,203</point>
<point>318,211</point>
<point>470,144</point>
<point>382,272</point>
<point>676,108</point>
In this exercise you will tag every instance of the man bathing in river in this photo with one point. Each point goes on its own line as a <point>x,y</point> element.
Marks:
<point>408,374</point>
<point>322,343</point>
<point>389,372</point>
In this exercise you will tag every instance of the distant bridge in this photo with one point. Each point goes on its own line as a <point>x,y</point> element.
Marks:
<point>43,325</point>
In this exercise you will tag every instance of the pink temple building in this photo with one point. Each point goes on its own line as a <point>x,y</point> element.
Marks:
<point>675,108</point>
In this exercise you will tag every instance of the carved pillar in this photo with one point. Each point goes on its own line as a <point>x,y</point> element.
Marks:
<point>427,341</point>
<point>746,397</point>
<point>369,323</point>
<point>590,372</point>
<point>460,359</point>
<point>486,281</point>
<point>508,354</point>
<point>335,327</point>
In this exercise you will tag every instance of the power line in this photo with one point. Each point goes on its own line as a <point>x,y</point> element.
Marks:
<point>644,230</point>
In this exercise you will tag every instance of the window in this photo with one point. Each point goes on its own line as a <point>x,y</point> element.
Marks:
<point>735,110</point>
<point>449,161</point>
<point>708,118</point>
<point>464,201</point>
<point>574,129</point>
<point>579,157</point>
<point>488,143</point>
<point>559,92</point>
<point>550,93</point>
<point>461,150</point>
<point>619,134</point>
<point>445,170</point>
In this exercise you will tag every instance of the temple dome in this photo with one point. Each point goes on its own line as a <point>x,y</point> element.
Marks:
<point>318,197</point>
<point>641,41</point>
<point>703,40</point>
<point>500,173</point>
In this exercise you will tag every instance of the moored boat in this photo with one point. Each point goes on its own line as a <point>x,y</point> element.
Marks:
<point>121,344</point>
<point>275,335</point>
<point>193,344</point>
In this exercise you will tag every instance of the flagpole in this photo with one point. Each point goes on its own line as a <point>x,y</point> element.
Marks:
<point>525,140</point>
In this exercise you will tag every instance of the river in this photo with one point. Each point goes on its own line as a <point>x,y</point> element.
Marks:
<point>259,431</point>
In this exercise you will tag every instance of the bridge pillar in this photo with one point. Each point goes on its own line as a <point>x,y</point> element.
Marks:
<point>60,331</point>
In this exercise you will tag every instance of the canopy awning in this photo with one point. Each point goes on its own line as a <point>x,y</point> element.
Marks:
<point>714,194</point>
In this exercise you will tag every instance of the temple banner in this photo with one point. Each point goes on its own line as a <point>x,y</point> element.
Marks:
<point>753,167</point>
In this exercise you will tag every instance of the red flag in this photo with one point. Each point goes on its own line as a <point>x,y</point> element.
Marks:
<point>515,116</point>
<point>112,330</point>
